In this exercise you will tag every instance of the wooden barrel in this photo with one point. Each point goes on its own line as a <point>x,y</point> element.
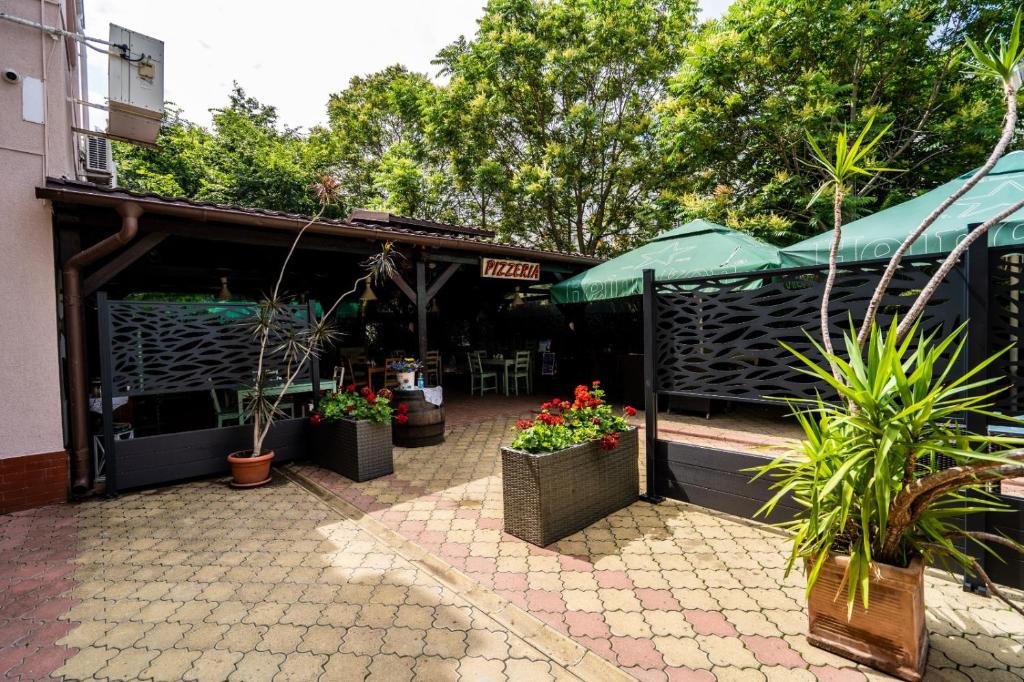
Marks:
<point>426,420</point>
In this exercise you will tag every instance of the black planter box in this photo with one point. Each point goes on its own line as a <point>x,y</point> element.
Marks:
<point>550,495</point>
<point>359,450</point>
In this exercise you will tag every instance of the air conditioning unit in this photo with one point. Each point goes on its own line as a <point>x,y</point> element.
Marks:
<point>99,161</point>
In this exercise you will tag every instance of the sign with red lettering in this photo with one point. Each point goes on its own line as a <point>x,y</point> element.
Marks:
<point>509,269</point>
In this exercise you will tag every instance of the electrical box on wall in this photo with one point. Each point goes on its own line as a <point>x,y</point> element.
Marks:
<point>135,86</point>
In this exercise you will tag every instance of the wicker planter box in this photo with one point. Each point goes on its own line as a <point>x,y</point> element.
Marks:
<point>551,495</point>
<point>890,636</point>
<point>359,450</point>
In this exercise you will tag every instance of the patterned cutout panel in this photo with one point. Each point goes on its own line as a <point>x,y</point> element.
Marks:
<point>1006,324</point>
<point>177,347</point>
<point>720,337</point>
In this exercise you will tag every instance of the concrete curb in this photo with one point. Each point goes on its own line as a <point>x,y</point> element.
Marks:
<point>572,656</point>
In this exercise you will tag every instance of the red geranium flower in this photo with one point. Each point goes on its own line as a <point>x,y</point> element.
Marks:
<point>630,411</point>
<point>365,391</point>
<point>371,396</point>
<point>597,383</point>
<point>524,424</point>
<point>556,401</point>
<point>384,393</point>
<point>351,388</point>
<point>315,419</point>
<point>401,418</point>
<point>402,408</point>
<point>350,408</point>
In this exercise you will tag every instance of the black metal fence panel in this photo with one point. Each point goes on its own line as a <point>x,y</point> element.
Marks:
<point>175,347</point>
<point>721,337</point>
<point>1006,325</point>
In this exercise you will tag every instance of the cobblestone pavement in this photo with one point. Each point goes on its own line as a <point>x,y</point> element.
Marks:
<point>201,582</point>
<point>665,592</point>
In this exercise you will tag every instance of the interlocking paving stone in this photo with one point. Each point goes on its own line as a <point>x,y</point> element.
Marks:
<point>665,592</point>
<point>201,582</point>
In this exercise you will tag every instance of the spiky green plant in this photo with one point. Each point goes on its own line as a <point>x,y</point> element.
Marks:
<point>883,474</point>
<point>850,160</point>
<point>294,348</point>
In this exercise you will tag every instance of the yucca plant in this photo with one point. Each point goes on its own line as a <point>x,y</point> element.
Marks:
<point>293,348</point>
<point>884,474</point>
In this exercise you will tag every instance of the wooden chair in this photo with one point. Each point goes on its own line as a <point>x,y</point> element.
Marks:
<point>432,368</point>
<point>390,376</point>
<point>477,375</point>
<point>521,370</point>
<point>357,367</point>
<point>223,414</point>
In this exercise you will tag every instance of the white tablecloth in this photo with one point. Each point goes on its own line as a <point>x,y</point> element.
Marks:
<point>96,404</point>
<point>433,395</point>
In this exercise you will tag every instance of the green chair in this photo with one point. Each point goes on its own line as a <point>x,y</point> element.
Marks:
<point>477,375</point>
<point>521,370</point>
<point>224,415</point>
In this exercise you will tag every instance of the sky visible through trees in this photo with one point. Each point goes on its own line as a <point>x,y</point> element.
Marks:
<point>590,125</point>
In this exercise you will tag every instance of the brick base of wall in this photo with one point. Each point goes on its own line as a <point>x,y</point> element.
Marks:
<point>32,481</point>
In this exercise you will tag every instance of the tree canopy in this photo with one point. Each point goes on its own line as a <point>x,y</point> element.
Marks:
<point>589,125</point>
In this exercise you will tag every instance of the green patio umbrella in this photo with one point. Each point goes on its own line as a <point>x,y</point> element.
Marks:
<point>696,249</point>
<point>880,234</point>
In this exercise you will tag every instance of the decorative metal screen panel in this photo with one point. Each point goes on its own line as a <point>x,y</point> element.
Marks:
<point>720,337</point>
<point>176,347</point>
<point>1006,326</point>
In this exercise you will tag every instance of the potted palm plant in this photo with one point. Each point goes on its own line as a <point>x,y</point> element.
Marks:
<point>351,434</point>
<point>575,463</point>
<point>286,350</point>
<point>885,471</point>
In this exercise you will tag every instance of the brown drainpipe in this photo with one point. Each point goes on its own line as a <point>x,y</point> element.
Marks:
<point>74,333</point>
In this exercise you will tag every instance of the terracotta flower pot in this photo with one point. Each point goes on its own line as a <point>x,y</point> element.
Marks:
<point>249,472</point>
<point>890,635</point>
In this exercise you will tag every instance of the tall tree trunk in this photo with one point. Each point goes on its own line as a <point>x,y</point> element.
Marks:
<point>1009,127</point>
<point>833,258</point>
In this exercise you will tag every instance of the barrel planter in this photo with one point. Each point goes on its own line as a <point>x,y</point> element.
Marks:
<point>550,495</point>
<point>426,420</point>
<point>359,450</point>
<point>890,635</point>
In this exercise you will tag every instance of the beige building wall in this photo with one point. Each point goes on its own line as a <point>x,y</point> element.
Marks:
<point>30,415</point>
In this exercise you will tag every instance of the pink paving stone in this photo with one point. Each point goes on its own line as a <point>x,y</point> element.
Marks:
<point>489,522</point>
<point>554,620</point>
<point>646,675</point>
<point>53,608</point>
<point>48,633</point>
<point>412,527</point>
<point>12,631</point>
<point>433,536</point>
<point>575,563</point>
<point>657,600</point>
<point>393,516</point>
<point>467,514</point>
<point>613,579</point>
<point>600,646</point>
<point>43,662</point>
<point>688,675</point>
<point>480,564</point>
<point>511,581</point>
<point>11,657</point>
<point>584,624</point>
<point>634,651</point>
<point>545,600</point>
<point>516,597</point>
<point>455,549</point>
<point>774,651</point>
<point>826,673</point>
<point>485,579</point>
<point>709,623</point>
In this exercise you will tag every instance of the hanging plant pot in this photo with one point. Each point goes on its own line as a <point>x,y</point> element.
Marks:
<point>249,472</point>
<point>890,635</point>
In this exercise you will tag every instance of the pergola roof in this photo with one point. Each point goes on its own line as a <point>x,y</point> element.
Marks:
<point>365,225</point>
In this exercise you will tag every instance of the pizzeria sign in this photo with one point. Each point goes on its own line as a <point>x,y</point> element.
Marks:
<point>499,268</point>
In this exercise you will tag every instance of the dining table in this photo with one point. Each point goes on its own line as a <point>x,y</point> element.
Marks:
<point>294,389</point>
<point>500,365</point>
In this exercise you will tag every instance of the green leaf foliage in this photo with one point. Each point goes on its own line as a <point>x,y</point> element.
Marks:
<point>884,473</point>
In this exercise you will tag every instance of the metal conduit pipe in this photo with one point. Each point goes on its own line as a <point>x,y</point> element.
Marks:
<point>74,334</point>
